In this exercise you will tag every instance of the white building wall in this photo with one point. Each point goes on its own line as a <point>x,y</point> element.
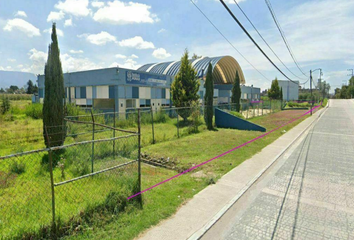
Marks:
<point>102,92</point>
<point>89,92</point>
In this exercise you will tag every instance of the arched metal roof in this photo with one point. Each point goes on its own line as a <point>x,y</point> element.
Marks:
<point>224,68</point>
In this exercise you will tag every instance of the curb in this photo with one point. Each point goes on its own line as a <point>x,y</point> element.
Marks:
<point>200,233</point>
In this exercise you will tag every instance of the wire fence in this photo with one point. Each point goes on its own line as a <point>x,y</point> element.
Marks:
<point>46,193</point>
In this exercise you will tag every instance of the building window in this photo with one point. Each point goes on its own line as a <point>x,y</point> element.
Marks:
<point>163,93</point>
<point>82,92</point>
<point>131,103</point>
<point>111,94</point>
<point>135,92</point>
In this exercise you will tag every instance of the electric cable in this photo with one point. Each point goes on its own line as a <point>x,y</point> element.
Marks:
<point>260,35</point>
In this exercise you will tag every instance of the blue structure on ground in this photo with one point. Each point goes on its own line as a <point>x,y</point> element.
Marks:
<point>226,120</point>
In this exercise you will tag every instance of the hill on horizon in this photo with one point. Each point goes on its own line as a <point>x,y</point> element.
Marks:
<point>20,79</point>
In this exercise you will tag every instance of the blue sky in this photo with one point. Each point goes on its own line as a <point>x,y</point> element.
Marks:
<point>97,34</point>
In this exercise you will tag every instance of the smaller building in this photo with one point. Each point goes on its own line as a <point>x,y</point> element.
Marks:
<point>223,91</point>
<point>290,89</point>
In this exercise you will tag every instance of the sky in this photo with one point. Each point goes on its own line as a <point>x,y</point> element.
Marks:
<point>98,34</point>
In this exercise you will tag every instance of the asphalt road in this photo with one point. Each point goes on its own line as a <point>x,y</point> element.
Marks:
<point>308,193</point>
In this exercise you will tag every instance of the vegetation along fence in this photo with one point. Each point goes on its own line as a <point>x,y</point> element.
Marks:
<point>48,192</point>
<point>166,123</point>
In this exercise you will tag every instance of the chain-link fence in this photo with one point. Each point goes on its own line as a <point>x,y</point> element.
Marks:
<point>48,192</point>
<point>164,123</point>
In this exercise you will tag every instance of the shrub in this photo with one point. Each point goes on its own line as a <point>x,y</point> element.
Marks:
<point>17,167</point>
<point>80,167</point>
<point>34,111</point>
<point>5,105</point>
<point>237,114</point>
<point>160,116</point>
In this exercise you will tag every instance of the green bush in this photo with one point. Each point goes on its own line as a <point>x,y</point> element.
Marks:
<point>324,102</point>
<point>73,110</point>
<point>34,111</point>
<point>237,114</point>
<point>17,167</point>
<point>80,167</point>
<point>160,116</point>
<point>5,105</point>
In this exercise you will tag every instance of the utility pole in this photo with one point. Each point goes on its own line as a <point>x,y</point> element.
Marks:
<point>311,88</point>
<point>351,69</point>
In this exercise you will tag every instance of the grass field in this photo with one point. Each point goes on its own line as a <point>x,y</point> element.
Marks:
<point>163,201</point>
<point>25,197</point>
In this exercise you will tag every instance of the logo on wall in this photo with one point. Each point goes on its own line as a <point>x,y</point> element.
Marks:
<point>129,76</point>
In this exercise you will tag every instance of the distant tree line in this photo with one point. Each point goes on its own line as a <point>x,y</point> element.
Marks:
<point>29,88</point>
<point>275,91</point>
<point>346,92</point>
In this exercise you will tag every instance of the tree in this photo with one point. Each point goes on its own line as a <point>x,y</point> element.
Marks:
<point>185,86</point>
<point>236,92</point>
<point>209,98</point>
<point>281,94</point>
<point>12,89</point>
<point>274,91</point>
<point>30,87</point>
<point>195,56</point>
<point>2,90</point>
<point>53,106</point>
<point>5,105</point>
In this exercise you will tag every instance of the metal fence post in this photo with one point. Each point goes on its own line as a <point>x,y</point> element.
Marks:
<point>152,126</point>
<point>50,154</point>
<point>139,155</point>
<point>262,108</point>
<point>270,106</point>
<point>93,138</point>
<point>177,123</point>
<point>114,131</point>
<point>247,111</point>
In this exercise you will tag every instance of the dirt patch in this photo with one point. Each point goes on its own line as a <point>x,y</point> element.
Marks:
<point>7,179</point>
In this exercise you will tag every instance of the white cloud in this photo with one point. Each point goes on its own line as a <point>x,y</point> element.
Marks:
<point>2,68</point>
<point>8,67</point>
<point>161,30</point>
<point>119,13</point>
<point>68,22</point>
<point>97,4</point>
<point>133,56</point>
<point>59,32</point>
<point>100,38</point>
<point>74,7</point>
<point>38,59</point>
<point>55,16</point>
<point>129,63</point>
<point>71,64</point>
<point>136,42</point>
<point>161,53</point>
<point>76,51</point>
<point>120,56</point>
<point>22,26</point>
<point>20,14</point>
<point>11,60</point>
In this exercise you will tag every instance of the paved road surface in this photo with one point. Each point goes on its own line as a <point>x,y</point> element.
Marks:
<point>308,193</point>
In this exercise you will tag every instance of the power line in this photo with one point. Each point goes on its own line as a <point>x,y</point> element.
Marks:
<point>228,40</point>
<point>264,39</point>
<point>254,42</point>
<point>269,5</point>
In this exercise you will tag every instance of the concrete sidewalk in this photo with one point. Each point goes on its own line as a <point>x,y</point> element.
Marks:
<point>199,213</point>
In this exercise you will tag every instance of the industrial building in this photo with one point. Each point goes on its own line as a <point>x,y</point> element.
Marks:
<point>290,89</point>
<point>149,86</point>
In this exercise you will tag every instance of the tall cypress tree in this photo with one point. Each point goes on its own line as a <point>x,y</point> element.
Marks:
<point>208,98</point>
<point>274,91</point>
<point>185,87</point>
<point>53,106</point>
<point>236,92</point>
<point>281,94</point>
